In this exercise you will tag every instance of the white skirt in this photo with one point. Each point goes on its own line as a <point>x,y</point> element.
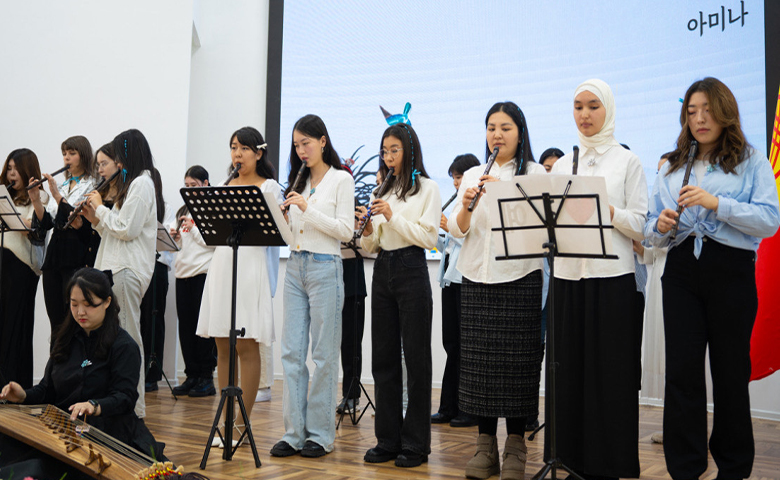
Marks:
<point>254,306</point>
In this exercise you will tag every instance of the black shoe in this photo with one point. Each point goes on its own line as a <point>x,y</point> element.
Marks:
<point>151,387</point>
<point>531,426</point>
<point>347,405</point>
<point>185,387</point>
<point>283,449</point>
<point>379,455</point>
<point>463,420</point>
<point>440,418</point>
<point>204,388</point>
<point>312,450</point>
<point>408,458</point>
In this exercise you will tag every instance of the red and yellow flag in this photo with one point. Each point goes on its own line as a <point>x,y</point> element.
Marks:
<point>764,351</point>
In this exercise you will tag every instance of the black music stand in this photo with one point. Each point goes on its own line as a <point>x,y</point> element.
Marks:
<point>165,243</point>
<point>530,215</point>
<point>10,221</point>
<point>235,216</point>
<point>355,381</point>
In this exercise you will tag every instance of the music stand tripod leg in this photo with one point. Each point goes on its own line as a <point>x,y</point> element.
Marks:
<point>231,392</point>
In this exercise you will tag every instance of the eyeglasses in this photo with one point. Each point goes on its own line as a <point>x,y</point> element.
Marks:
<point>392,152</point>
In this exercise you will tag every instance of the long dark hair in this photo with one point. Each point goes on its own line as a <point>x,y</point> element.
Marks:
<point>96,287</point>
<point>198,173</point>
<point>250,137</point>
<point>403,182</point>
<point>524,154</point>
<point>732,148</point>
<point>133,152</point>
<point>26,164</point>
<point>82,146</point>
<point>310,126</point>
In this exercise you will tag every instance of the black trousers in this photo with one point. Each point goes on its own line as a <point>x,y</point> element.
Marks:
<point>198,352</point>
<point>708,303</point>
<point>402,309</point>
<point>17,316</point>
<point>153,322</point>
<point>55,281</point>
<point>450,338</point>
<point>353,322</point>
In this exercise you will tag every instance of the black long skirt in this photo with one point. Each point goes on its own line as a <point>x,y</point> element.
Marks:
<point>17,316</point>
<point>501,347</point>
<point>598,352</point>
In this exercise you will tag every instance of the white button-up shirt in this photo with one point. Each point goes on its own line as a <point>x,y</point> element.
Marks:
<point>477,260</point>
<point>627,193</point>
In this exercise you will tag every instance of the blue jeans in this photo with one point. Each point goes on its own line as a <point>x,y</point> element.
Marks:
<point>313,300</point>
<point>401,315</point>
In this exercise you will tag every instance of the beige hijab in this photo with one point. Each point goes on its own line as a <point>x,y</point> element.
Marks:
<point>604,139</point>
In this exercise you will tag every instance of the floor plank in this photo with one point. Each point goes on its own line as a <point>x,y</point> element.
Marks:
<point>184,426</point>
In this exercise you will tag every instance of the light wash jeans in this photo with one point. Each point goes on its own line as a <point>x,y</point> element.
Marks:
<point>313,300</point>
<point>129,291</point>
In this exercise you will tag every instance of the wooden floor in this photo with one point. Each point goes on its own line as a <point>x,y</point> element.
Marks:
<point>184,426</point>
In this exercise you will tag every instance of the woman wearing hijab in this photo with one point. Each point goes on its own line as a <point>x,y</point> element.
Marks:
<point>597,339</point>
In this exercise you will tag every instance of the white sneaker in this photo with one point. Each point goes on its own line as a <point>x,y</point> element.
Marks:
<point>263,395</point>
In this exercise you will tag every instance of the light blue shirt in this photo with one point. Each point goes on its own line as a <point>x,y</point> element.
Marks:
<point>451,275</point>
<point>747,206</point>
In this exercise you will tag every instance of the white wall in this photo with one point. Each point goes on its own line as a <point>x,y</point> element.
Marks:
<point>94,68</point>
<point>228,80</point>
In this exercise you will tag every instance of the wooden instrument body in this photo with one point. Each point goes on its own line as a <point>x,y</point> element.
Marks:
<point>50,430</point>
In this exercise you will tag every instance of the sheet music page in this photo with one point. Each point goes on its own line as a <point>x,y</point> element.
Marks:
<point>578,221</point>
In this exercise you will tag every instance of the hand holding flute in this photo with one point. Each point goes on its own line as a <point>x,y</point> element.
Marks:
<point>296,184</point>
<point>377,206</point>
<point>84,204</point>
<point>39,182</point>
<point>688,167</point>
<point>488,166</point>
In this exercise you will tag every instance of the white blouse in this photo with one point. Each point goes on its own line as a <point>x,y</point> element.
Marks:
<point>329,217</point>
<point>195,256</point>
<point>129,234</point>
<point>477,260</point>
<point>627,193</point>
<point>415,221</point>
<point>18,242</point>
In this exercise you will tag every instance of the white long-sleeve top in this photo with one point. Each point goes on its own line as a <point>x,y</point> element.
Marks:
<point>329,217</point>
<point>415,221</point>
<point>477,260</point>
<point>627,193</point>
<point>195,256</point>
<point>18,242</point>
<point>129,234</point>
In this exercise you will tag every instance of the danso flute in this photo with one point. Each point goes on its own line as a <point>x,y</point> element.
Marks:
<point>489,165</point>
<point>381,193</point>
<point>298,179</point>
<point>688,166</point>
<point>452,199</point>
<point>77,211</point>
<point>38,182</point>
<point>233,173</point>
<point>576,160</point>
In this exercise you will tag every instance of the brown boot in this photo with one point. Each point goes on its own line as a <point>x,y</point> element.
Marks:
<point>515,453</point>
<point>484,464</point>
